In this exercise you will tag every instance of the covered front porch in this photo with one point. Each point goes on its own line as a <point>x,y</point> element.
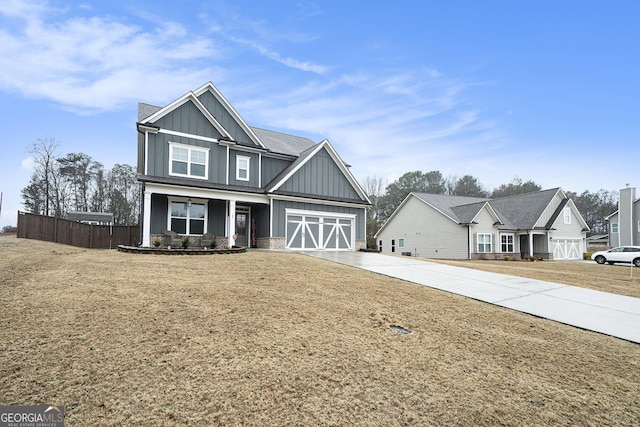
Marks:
<point>233,219</point>
<point>532,244</point>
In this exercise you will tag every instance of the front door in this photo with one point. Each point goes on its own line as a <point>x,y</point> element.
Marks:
<point>242,226</point>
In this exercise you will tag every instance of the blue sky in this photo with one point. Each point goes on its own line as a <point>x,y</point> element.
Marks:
<point>544,90</point>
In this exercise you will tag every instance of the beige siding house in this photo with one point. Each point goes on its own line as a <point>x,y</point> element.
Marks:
<point>544,224</point>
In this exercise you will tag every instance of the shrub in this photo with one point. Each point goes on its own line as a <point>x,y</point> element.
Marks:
<point>507,258</point>
<point>157,243</point>
<point>587,255</point>
<point>186,242</point>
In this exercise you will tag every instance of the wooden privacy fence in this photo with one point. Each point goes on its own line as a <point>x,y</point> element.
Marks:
<point>74,233</point>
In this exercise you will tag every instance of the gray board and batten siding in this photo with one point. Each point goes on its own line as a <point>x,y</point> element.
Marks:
<point>321,176</point>
<point>159,151</point>
<point>226,120</point>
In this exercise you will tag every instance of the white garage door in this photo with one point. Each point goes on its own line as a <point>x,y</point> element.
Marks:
<point>566,249</point>
<point>314,231</point>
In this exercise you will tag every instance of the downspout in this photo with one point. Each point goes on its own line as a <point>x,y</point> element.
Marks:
<point>468,241</point>
<point>141,212</point>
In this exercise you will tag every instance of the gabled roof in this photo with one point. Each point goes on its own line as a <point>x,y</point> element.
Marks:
<point>300,148</point>
<point>459,208</point>
<point>304,157</point>
<point>153,113</point>
<point>274,142</point>
<point>522,211</point>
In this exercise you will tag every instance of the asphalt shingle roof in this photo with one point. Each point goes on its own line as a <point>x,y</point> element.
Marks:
<point>523,210</point>
<point>446,205</point>
<point>146,110</point>
<point>283,143</point>
<point>519,212</point>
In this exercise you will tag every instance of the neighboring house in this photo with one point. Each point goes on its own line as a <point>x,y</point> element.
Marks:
<point>543,224</point>
<point>599,242</point>
<point>98,218</point>
<point>204,170</point>
<point>624,224</point>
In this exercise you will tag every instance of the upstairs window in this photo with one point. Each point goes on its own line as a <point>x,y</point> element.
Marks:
<point>484,243</point>
<point>567,215</point>
<point>188,161</point>
<point>242,168</point>
<point>614,227</point>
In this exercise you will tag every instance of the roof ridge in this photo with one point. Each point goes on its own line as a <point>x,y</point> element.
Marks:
<point>529,192</point>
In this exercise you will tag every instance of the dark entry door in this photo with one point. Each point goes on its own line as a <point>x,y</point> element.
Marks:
<point>242,229</point>
<point>524,245</point>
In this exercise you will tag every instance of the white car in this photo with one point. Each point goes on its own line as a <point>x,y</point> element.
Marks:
<point>628,254</point>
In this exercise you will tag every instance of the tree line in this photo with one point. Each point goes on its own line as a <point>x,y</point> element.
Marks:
<point>593,207</point>
<point>77,182</point>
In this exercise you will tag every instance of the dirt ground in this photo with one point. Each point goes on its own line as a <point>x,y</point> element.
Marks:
<point>266,338</point>
<point>621,279</point>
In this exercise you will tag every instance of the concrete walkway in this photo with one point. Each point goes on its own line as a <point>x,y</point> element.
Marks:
<point>610,314</point>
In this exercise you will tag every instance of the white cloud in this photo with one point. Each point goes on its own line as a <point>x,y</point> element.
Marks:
<point>27,163</point>
<point>97,63</point>
<point>387,124</point>
<point>275,56</point>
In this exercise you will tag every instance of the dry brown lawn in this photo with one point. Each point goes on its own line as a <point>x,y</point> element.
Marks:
<point>285,339</point>
<point>618,279</point>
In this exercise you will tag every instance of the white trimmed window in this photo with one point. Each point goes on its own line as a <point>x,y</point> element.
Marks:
<point>189,161</point>
<point>638,226</point>
<point>506,243</point>
<point>401,243</point>
<point>484,242</point>
<point>614,227</point>
<point>567,215</point>
<point>187,217</point>
<point>242,168</point>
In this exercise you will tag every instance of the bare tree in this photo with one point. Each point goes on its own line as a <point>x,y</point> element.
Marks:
<point>43,153</point>
<point>374,187</point>
<point>124,194</point>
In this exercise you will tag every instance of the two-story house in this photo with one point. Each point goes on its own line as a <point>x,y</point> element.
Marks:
<point>204,170</point>
<point>624,224</point>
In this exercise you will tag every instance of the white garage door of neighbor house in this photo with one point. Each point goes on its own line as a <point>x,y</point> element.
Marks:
<point>313,231</point>
<point>566,249</point>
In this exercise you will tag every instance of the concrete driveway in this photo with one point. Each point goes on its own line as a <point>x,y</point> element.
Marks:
<point>610,314</point>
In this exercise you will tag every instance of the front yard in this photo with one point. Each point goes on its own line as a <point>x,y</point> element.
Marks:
<point>265,338</point>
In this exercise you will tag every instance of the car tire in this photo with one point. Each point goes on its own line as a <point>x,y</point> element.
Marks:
<point>636,262</point>
<point>600,259</point>
<point>610,262</point>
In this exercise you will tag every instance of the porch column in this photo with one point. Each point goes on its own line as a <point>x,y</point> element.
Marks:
<point>530,244</point>
<point>232,222</point>
<point>146,218</point>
